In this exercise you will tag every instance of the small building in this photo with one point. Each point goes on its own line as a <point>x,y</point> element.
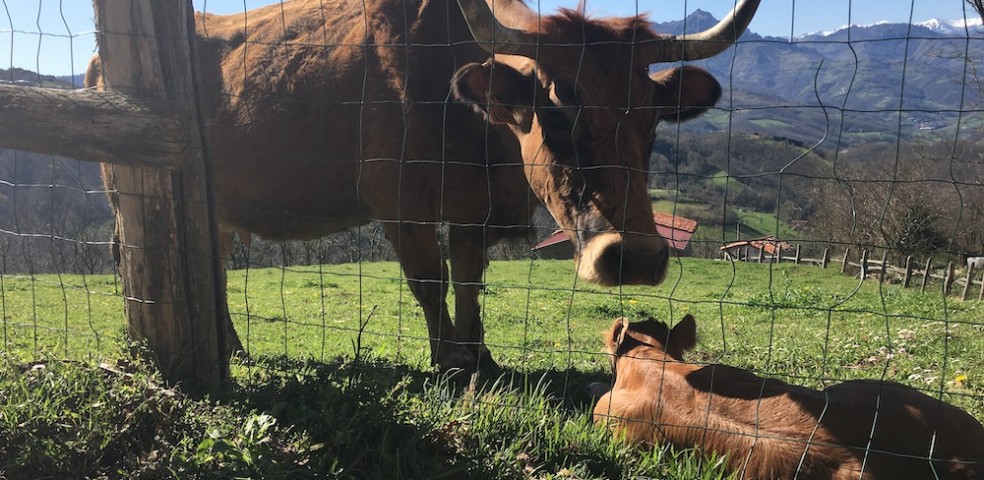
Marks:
<point>675,229</point>
<point>768,248</point>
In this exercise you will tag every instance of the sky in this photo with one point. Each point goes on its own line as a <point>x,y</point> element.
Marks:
<point>55,37</point>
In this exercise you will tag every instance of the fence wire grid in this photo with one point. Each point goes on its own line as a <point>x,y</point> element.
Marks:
<point>826,217</point>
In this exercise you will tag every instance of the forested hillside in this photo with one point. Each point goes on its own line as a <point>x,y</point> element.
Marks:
<point>878,82</point>
<point>868,136</point>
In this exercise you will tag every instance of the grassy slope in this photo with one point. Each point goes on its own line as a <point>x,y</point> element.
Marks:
<point>801,323</point>
<point>753,224</point>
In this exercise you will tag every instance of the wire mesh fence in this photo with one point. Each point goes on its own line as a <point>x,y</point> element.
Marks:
<point>379,184</point>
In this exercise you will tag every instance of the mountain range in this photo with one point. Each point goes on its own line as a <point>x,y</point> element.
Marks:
<point>882,81</point>
<point>20,76</point>
<point>949,28</point>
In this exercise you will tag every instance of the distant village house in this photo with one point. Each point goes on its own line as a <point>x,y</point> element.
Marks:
<point>766,248</point>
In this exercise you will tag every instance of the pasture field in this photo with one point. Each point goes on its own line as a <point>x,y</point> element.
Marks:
<point>753,224</point>
<point>301,408</point>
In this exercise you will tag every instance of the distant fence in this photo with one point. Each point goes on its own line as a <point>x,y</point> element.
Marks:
<point>967,281</point>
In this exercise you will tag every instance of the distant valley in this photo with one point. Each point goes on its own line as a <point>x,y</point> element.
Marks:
<point>876,82</point>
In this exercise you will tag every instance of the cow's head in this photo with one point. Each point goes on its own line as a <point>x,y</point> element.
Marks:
<point>578,95</point>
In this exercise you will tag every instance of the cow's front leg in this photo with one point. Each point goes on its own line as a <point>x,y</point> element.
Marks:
<point>234,344</point>
<point>427,276</point>
<point>467,246</point>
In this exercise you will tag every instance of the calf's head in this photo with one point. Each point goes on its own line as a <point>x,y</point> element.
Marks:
<point>645,345</point>
<point>651,338</point>
<point>578,96</point>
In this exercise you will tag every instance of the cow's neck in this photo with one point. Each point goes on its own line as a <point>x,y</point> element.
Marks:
<point>440,42</point>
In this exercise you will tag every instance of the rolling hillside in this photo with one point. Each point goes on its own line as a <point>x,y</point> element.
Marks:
<point>19,76</point>
<point>882,81</point>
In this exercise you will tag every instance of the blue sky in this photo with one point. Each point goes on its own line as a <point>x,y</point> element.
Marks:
<point>55,36</point>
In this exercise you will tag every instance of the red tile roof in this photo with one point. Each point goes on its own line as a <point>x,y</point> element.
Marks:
<point>769,244</point>
<point>675,222</point>
<point>558,236</point>
<point>677,237</point>
<point>676,230</point>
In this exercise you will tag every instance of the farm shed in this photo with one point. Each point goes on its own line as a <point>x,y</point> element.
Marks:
<point>766,247</point>
<point>675,229</point>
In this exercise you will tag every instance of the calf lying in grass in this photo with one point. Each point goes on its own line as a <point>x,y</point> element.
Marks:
<point>769,429</point>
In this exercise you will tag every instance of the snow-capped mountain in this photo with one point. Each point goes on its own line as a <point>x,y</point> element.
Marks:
<point>944,28</point>
<point>953,27</point>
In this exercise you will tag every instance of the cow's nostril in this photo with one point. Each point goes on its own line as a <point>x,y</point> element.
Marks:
<point>613,259</point>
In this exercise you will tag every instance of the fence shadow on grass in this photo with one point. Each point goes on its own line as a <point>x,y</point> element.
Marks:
<point>353,414</point>
<point>380,419</point>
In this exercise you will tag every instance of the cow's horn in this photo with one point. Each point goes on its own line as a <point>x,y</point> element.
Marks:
<point>495,37</point>
<point>710,42</point>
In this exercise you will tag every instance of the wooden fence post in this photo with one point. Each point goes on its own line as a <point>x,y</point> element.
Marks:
<point>908,272</point>
<point>948,279</point>
<point>165,220</point>
<point>970,281</point>
<point>797,258</point>
<point>884,267</point>
<point>844,263</point>
<point>826,258</point>
<point>926,273</point>
<point>980,296</point>
<point>864,264</point>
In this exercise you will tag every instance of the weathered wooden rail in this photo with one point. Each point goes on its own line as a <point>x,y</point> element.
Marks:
<point>146,126</point>
<point>948,275</point>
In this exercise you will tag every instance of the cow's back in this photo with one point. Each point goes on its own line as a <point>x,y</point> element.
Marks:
<point>324,114</point>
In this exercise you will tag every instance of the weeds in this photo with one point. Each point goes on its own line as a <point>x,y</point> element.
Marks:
<point>295,411</point>
<point>73,420</point>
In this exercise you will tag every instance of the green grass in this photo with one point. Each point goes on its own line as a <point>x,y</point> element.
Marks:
<point>759,224</point>
<point>299,412</point>
<point>753,224</point>
<point>766,124</point>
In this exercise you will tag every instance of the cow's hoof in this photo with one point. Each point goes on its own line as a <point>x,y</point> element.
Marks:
<point>471,360</point>
<point>487,367</point>
<point>484,364</point>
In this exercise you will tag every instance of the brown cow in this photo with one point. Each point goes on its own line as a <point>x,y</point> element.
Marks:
<point>324,114</point>
<point>772,430</point>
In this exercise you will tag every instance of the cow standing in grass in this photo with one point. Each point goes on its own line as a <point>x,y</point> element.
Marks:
<point>768,429</point>
<point>326,114</point>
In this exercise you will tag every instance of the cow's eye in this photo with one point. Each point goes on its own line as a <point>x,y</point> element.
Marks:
<point>555,121</point>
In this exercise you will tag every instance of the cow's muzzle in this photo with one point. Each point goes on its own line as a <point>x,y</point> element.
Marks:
<point>613,258</point>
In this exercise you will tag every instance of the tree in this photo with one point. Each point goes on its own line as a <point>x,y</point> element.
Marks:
<point>978,6</point>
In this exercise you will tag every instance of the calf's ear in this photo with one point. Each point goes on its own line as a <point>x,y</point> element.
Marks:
<point>683,336</point>
<point>495,89</point>
<point>616,334</point>
<point>685,92</point>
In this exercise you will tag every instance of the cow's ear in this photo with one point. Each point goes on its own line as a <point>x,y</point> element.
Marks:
<point>683,336</point>
<point>495,89</point>
<point>616,334</point>
<point>685,92</point>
